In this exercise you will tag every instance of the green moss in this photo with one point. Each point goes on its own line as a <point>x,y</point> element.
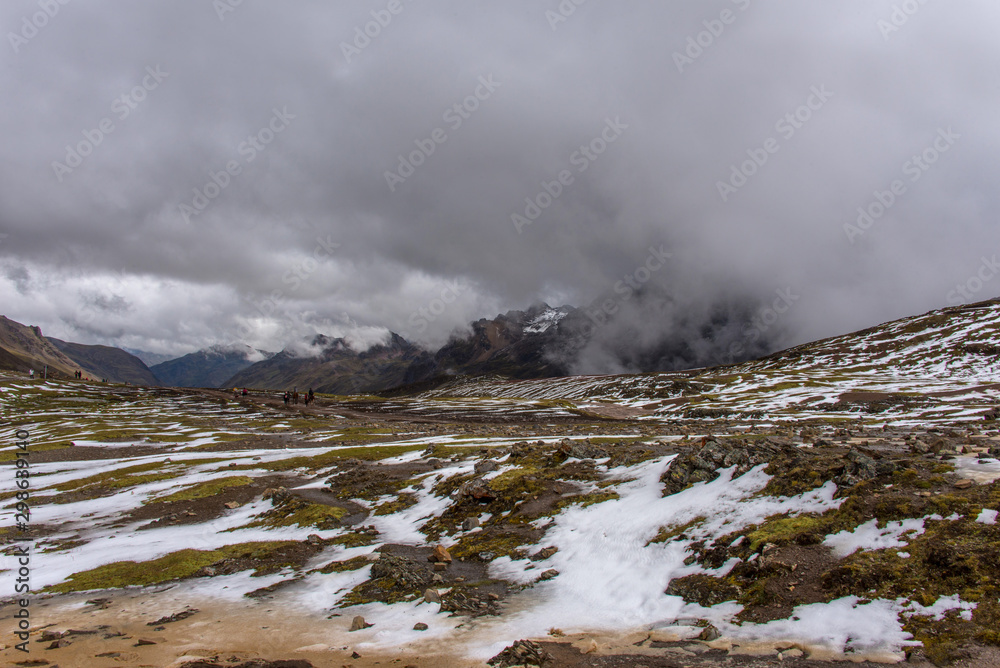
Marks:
<point>11,455</point>
<point>174,566</point>
<point>328,459</point>
<point>205,489</point>
<point>787,529</point>
<point>491,544</point>
<point>294,511</point>
<point>665,534</point>
<point>357,563</point>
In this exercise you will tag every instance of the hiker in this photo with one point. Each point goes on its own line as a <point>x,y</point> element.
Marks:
<point>236,393</point>
<point>31,373</point>
<point>286,397</point>
<point>311,398</point>
<point>295,397</point>
<point>245,393</point>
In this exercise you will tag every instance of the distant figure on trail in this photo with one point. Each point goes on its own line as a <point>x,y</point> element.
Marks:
<point>295,397</point>
<point>236,393</point>
<point>286,397</point>
<point>311,398</point>
<point>245,393</point>
<point>31,373</point>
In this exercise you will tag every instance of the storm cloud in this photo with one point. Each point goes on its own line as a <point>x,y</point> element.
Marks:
<point>176,174</point>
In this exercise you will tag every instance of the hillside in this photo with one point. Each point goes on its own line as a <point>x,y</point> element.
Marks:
<point>25,348</point>
<point>114,364</point>
<point>332,366</point>
<point>942,365</point>
<point>211,367</point>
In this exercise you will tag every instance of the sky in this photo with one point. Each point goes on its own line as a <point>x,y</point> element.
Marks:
<point>181,173</point>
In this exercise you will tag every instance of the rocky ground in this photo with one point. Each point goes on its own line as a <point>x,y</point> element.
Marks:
<point>424,533</point>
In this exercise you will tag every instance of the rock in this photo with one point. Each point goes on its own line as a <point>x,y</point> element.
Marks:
<point>432,596</point>
<point>522,653</point>
<point>276,494</point>
<point>142,641</point>
<point>440,567</point>
<point>470,523</point>
<point>702,464</point>
<point>709,634</point>
<point>964,484</point>
<point>56,644</point>
<point>232,505</point>
<point>402,572</point>
<point>440,555</point>
<point>544,553</point>
<point>580,450</point>
<point>548,575</point>
<point>420,626</point>
<point>476,489</point>
<point>437,578</point>
<point>485,466</point>
<point>359,623</point>
<point>314,539</point>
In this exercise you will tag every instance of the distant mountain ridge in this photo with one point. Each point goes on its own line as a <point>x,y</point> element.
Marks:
<point>114,364</point>
<point>211,367</point>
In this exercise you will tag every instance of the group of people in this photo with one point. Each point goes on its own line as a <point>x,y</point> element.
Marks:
<point>236,392</point>
<point>293,396</point>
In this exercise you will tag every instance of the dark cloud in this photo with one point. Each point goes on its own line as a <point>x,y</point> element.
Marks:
<point>286,136</point>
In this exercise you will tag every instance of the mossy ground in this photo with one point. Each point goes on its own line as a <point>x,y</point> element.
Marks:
<point>176,566</point>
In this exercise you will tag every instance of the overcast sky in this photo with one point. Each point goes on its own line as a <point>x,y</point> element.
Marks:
<point>116,115</point>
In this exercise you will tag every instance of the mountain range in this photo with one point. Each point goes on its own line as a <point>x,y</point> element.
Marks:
<point>537,343</point>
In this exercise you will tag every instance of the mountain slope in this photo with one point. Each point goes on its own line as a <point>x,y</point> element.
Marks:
<point>211,367</point>
<point>940,366</point>
<point>25,348</point>
<point>336,369</point>
<point>114,364</point>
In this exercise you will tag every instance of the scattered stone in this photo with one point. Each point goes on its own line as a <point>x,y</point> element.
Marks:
<point>485,466</point>
<point>580,450</point>
<point>440,567</point>
<point>49,636</point>
<point>142,642</point>
<point>359,623</point>
<point>108,655</point>
<point>522,653</point>
<point>440,555</point>
<point>544,553</point>
<point>709,634</point>
<point>470,523</point>
<point>56,644</point>
<point>176,617</point>
<point>355,655</point>
<point>964,484</point>
<point>548,575</point>
<point>314,539</point>
<point>432,596</point>
<point>437,578</point>
<point>276,494</point>
<point>101,603</point>
<point>232,505</point>
<point>420,626</point>
<point>476,489</point>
